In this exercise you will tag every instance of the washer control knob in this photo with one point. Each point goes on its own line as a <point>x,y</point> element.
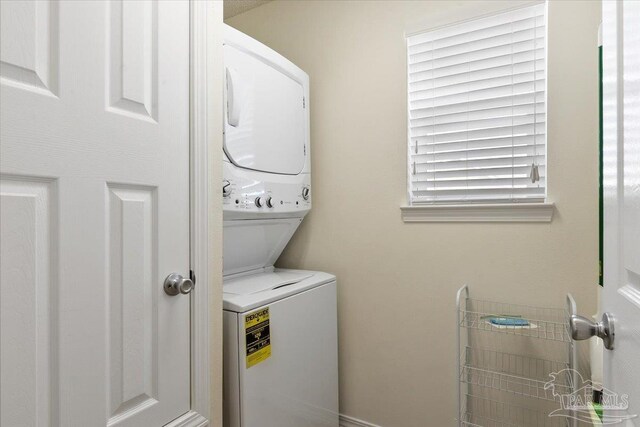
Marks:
<point>259,202</point>
<point>305,193</point>
<point>226,188</point>
<point>270,202</point>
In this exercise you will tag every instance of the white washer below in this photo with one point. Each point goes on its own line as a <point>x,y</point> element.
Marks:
<point>297,385</point>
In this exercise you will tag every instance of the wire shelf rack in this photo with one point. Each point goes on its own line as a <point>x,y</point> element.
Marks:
<point>498,386</point>
<point>514,373</point>
<point>483,412</point>
<point>544,323</point>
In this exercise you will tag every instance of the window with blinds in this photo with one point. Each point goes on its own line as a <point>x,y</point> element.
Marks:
<point>477,113</point>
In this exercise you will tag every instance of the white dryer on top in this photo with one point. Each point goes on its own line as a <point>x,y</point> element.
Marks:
<point>266,172</point>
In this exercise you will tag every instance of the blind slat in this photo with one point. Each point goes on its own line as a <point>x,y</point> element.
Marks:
<point>510,58</point>
<point>493,82</point>
<point>476,180</point>
<point>466,166</point>
<point>461,161</point>
<point>452,127</point>
<point>486,154</point>
<point>486,35</point>
<point>479,104</point>
<point>505,190</point>
<point>480,114</point>
<point>480,198</point>
<point>463,71</point>
<point>476,94</point>
<point>514,41</point>
<point>481,108</point>
<point>471,181</point>
<point>521,50</point>
<point>433,172</point>
<point>512,17</point>
<point>481,94</point>
<point>483,133</point>
<point>519,73</point>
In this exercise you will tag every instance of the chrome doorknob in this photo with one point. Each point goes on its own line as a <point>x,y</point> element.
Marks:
<point>583,328</point>
<point>175,284</point>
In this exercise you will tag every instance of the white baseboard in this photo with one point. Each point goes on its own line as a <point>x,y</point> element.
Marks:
<point>347,421</point>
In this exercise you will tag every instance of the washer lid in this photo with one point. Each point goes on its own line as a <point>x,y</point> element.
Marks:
<point>253,244</point>
<point>266,121</point>
<point>245,293</point>
<point>255,283</point>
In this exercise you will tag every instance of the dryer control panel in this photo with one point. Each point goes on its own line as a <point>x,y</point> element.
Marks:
<point>268,195</point>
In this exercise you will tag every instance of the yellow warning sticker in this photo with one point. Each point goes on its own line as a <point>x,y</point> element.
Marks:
<point>258,337</point>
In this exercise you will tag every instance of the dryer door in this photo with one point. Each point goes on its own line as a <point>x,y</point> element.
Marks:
<point>265,125</point>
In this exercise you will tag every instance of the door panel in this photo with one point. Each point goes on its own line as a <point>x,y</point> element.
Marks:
<point>133,357</point>
<point>132,55</point>
<point>621,101</point>
<point>27,305</point>
<point>29,44</point>
<point>95,212</point>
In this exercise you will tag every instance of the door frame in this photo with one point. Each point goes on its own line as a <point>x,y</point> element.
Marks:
<point>205,133</point>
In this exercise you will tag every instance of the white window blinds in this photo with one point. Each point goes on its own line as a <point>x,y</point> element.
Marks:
<point>477,114</point>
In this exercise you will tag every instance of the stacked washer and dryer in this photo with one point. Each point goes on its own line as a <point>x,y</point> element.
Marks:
<point>280,326</point>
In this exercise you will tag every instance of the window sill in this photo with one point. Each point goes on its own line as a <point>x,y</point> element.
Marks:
<point>497,212</point>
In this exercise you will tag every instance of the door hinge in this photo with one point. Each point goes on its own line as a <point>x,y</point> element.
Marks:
<point>305,149</point>
<point>304,103</point>
<point>192,276</point>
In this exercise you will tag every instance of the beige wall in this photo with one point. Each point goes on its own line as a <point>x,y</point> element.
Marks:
<point>397,281</point>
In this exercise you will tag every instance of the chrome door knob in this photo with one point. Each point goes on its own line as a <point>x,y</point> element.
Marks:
<point>583,328</point>
<point>175,284</point>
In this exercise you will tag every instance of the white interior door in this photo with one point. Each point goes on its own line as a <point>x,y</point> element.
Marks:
<point>95,212</point>
<point>621,296</point>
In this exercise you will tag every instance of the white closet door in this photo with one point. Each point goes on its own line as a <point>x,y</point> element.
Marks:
<point>621,295</point>
<point>95,212</point>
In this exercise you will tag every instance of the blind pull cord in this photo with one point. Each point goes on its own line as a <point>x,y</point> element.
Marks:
<point>534,174</point>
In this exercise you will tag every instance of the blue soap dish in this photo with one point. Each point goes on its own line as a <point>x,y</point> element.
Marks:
<point>508,321</point>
